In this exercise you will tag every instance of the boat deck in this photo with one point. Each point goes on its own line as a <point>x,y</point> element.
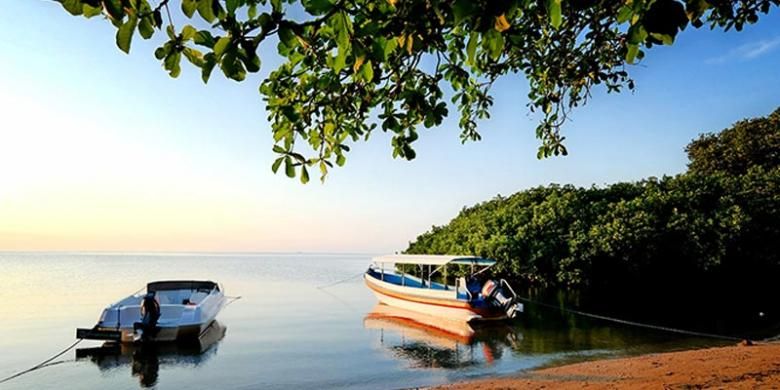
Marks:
<point>412,281</point>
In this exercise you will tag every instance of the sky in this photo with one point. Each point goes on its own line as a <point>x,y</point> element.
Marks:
<point>103,151</point>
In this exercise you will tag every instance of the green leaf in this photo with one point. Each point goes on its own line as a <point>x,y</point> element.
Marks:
<point>216,8</point>
<point>161,52</point>
<point>74,7</point>
<point>624,14</point>
<point>339,62</point>
<point>342,26</point>
<point>317,7</point>
<point>90,11</point>
<point>666,39</point>
<point>340,160</point>
<point>287,36</point>
<point>221,46</point>
<point>462,10</point>
<point>124,34</point>
<point>252,11</point>
<point>471,47</point>
<point>206,11</point>
<point>276,5</point>
<point>554,10</point>
<point>289,168</point>
<point>232,67</point>
<point>195,57</point>
<point>204,38</point>
<point>251,61</point>
<point>209,61</point>
<point>188,7</point>
<point>266,21</point>
<point>231,6</point>
<point>172,64</point>
<point>188,32</point>
<point>114,9</point>
<point>145,27</point>
<point>157,17</point>
<point>493,41</point>
<point>382,48</point>
<point>304,174</point>
<point>367,71</point>
<point>633,50</point>
<point>277,163</point>
<point>637,34</point>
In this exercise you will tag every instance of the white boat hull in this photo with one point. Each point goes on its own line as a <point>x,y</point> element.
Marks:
<point>177,320</point>
<point>457,314</point>
<point>435,303</point>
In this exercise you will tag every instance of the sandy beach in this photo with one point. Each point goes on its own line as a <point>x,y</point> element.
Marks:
<point>733,367</point>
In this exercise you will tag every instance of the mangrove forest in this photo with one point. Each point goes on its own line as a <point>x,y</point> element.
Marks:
<point>703,241</point>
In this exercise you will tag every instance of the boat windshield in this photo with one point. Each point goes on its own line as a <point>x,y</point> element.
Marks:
<point>181,285</point>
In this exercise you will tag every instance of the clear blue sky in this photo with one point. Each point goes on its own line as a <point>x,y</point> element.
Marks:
<point>103,151</point>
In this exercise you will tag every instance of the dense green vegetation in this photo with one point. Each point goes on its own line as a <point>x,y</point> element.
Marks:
<point>349,67</point>
<point>711,233</point>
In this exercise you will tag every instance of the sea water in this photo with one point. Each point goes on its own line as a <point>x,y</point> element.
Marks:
<point>303,321</point>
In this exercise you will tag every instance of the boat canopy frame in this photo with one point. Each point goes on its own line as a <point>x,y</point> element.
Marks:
<point>433,260</point>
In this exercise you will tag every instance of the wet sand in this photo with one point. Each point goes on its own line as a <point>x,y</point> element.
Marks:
<point>733,367</point>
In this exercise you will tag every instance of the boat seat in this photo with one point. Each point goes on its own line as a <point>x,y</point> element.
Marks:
<point>174,297</point>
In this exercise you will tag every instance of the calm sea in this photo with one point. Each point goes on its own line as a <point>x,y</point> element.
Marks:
<point>283,333</point>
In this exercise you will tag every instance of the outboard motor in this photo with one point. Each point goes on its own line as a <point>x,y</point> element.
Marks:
<point>150,310</point>
<point>495,294</point>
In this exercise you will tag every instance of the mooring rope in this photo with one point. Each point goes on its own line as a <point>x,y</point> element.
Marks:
<point>42,364</point>
<point>324,286</point>
<point>634,323</point>
<point>232,299</point>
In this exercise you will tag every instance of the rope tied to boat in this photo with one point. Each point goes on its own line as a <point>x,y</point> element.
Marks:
<point>633,323</point>
<point>232,299</point>
<point>42,364</point>
<point>324,286</point>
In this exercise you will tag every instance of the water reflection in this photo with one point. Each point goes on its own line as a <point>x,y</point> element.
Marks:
<point>431,342</point>
<point>145,360</point>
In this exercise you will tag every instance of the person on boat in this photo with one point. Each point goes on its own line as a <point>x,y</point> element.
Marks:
<point>474,285</point>
<point>150,313</point>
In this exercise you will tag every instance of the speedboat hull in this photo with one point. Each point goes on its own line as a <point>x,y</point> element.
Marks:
<point>187,308</point>
<point>164,334</point>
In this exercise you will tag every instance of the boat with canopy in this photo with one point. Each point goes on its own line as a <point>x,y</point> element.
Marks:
<point>472,298</point>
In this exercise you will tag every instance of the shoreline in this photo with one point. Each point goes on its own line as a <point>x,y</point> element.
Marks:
<point>738,366</point>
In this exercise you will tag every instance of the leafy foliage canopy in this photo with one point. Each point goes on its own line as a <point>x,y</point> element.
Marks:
<point>351,66</point>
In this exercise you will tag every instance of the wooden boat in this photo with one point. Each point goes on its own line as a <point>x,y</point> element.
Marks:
<point>470,299</point>
<point>185,308</point>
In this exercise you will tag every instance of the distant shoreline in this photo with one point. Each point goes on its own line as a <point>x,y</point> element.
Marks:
<point>185,253</point>
<point>739,366</point>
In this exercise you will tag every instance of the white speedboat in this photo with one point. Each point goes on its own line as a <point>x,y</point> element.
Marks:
<point>472,298</point>
<point>172,310</point>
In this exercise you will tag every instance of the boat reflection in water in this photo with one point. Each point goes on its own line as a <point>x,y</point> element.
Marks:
<point>434,342</point>
<point>145,360</point>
